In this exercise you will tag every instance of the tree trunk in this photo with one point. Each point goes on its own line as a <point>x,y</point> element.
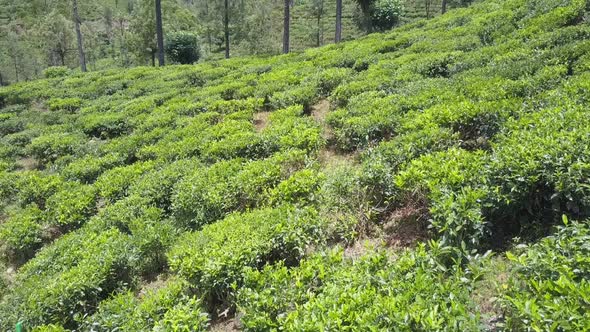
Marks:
<point>79,37</point>
<point>16,69</point>
<point>226,27</point>
<point>319,32</point>
<point>443,7</point>
<point>1,80</point>
<point>338,36</point>
<point>286,26</point>
<point>159,33</point>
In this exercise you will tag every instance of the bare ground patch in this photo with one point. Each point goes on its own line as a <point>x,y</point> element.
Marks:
<point>226,325</point>
<point>407,225</point>
<point>27,164</point>
<point>261,121</point>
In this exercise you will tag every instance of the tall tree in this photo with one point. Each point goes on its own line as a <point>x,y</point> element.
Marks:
<point>286,26</point>
<point>338,34</point>
<point>159,32</point>
<point>318,12</point>
<point>366,7</point>
<point>226,26</point>
<point>443,8</point>
<point>79,36</point>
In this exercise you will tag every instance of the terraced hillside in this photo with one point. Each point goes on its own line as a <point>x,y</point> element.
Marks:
<point>433,178</point>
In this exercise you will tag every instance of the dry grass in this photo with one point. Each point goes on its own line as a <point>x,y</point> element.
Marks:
<point>406,226</point>
<point>27,164</point>
<point>261,121</point>
<point>226,325</point>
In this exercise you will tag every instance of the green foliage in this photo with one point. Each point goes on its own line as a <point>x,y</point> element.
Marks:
<point>156,307</point>
<point>50,147</point>
<point>56,71</point>
<point>550,287</point>
<point>331,292</point>
<point>72,206</point>
<point>21,234</point>
<point>470,128</point>
<point>386,14</point>
<point>215,257</point>
<point>68,279</point>
<point>184,317</point>
<point>183,47</point>
<point>69,105</point>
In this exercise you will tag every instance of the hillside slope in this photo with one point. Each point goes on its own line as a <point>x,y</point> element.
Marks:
<point>357,186</point>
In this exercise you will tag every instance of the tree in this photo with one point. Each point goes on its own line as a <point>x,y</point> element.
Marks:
<point>386,14</point>
<point>366,7</point>
<point>380,14</point>
<point>142,30</point>
<point>286,26</point>
<point>226,26</point>
<point>183,47</point>
<point>443,8</point>
<point>79,36</point>
<point>338,34</point>
<point>160,32</point>
<point>55,38</point>
<point>317,10</point>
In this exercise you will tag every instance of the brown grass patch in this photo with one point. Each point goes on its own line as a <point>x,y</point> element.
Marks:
<point>226,325</point>
<point>407,225</point>
<point>27,164</point>
<point>261,121</point>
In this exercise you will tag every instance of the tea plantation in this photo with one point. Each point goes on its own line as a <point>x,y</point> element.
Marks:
<point>432,178</point>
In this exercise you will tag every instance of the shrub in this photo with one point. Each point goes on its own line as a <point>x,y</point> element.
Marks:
<point>371,292</point>
<point>54,72</point>
<point>127,312</point>
<point>68,279</point>
<point>34,187</point>
<point>69,105</point>
<point>184,316</point>
<point>386,14</point>
<point>550,286</point>
<point>48,148</point>
<point>183,47</point>
<point>215,257</point>
<point>21,235</point>
<point>72,206</point>
<point>114,183</point>
<point>90,167</point>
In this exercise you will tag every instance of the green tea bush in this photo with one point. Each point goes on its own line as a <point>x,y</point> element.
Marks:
<point>104,125</point>
<point>88,168</point>
<point>69,105</point>
<point>34,187</point>
<point>187,316</point>
<point>55,72</point>
<point>215,257</point>
<point>68,279</point>
<point>550,288</point>
<point>157,186</point>
<point>47,148</point>
<point>299,189</point>
<point>114,183</point>
<point>330,292</point>
<point>289,130</point>
<point>72,206</point>
<point>21,235</point>
<point>131,313</point>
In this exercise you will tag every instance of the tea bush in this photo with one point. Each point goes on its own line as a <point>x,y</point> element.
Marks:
<point>332,292</point>
<point>550,287</point>
<point>469,129</point>
<point>215,257</point>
